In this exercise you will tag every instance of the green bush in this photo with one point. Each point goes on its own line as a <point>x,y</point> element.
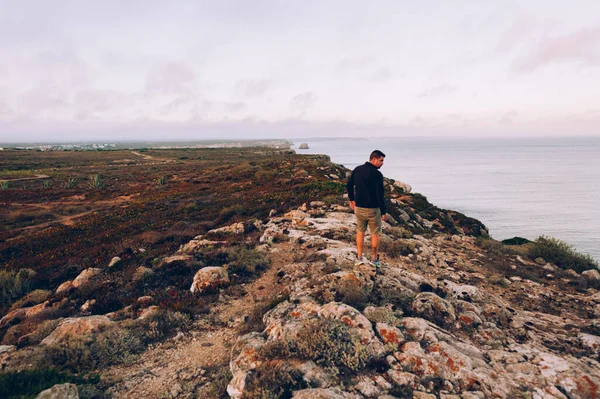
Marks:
<point>245,260</point>
<point>273,380</point>
<point>13,285</point>
<point>114,344</point>
<point>561,254</point>
<point>331,343</point>
<point>516,241</point>
<point>397,248</point>
<point>28,383</point>
<point>72,182</point>
<point>228,212</point>
<point>398,232</point>
<point>493,246</point>
<point>33,298</point>
<point>95,181</point>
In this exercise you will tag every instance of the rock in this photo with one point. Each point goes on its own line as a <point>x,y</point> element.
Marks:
<point>236,228</point>
<point>389,334</point>
<point>303,146</point>
<point>145,300</point>
<point>65,287</point>
<point>142,272</point>
<point>148,312</point>
<point>314,375</point>
<point>85,276</point>
<point>321,393</point>
<point>272,213</point>
<point>350,317</point>
<point>431,307</point>
<point>5,349</point>
<point>317,204</point>
<point>176,390</point>
<point>114,261</point>
<point>60,391</point>
<point>402,379</point>
<point>244,359</point>
<point>406,188</point>
<point>87,305</point>
<point>591,275</point>
<point>21,314</point>
<point>77,326</point>
<point>590,342</point>
<point>367,387</point>
<point>209,279</point>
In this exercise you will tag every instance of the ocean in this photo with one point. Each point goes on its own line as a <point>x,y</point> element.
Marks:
<point>516,187</point>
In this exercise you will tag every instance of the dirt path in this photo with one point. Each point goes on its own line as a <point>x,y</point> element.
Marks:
<point>35,177</point>
<point>183,362</point>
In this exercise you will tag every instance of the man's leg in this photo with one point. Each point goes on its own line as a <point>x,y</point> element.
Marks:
<point>374,245</point>
<point>360,241</point>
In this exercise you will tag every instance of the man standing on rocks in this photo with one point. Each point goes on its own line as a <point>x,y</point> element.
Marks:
<point>365,191</point>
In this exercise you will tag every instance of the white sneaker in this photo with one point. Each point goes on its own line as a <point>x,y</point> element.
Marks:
<point>359,262</point>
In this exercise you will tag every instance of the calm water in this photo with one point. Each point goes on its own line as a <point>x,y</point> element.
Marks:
<point>516,187</point>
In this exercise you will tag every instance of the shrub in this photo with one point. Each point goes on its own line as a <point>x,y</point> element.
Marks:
<point>72,182</point>
<point>273,380</point>
<point>351,292</point>
<point>516,241</point>
<point>113,344</point>
<point>33,298</point>
<point>13,285</point>
<point>397,248</point>
<point>95,181</point>
<point>28,383</point>
<point>330,342</point>
<point>161,181</point>
<point>3,185</point>
<point>560,253</point>
<point>245,260</point>
<point>46,184</point>
<point>228,212</point>
<point>493,246</point>
<point>218,377</point>
<point>398,232</point>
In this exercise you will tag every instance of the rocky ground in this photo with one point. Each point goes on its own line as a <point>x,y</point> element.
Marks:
<point>427,325</point>
<point>444,317</point>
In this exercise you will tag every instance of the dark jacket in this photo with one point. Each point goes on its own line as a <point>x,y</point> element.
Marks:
<point>365,186</point>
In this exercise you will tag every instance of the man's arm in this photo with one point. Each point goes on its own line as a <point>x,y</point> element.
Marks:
<point>350,190</point>
<point>379,192</point>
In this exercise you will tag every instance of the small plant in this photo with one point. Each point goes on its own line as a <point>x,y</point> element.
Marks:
<point>13,285</point>
<point>95,181</point>
<point>72,182</point>
<point>561,254</point>
<point>46,184</point>
<point>397,248</point>
<point>331,343</point>
<point>161,180</point>
<point>3,185</point>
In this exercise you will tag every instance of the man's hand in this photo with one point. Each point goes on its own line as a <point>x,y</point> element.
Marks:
<point>352,204</point>
<point>384,218</point>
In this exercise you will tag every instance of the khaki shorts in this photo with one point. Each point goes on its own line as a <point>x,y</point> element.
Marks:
<point>370,216</point>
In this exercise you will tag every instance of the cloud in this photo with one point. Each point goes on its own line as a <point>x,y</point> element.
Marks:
<point>171,78</point>
<point>237,106</point>
<point>581,46</point>
<point>508,118</point>
<point>303,101</point>
<point>381,75</point>
<point>251,88</point>
<point>441,90</point>
<point>354,62</point>
<point>519,31</point>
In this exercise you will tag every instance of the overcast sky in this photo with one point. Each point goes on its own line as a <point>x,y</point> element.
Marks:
<point>75,70</point>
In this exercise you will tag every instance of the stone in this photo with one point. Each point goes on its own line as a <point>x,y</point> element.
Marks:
<point>402,378</point>
<point>244,359</point>
<point>321,393</point>
<point>406,188</point>
<point>591,275</point>
<point>431,307</point>
<point>23,313</point>
<point>235,228</point>
<point>60,391</point>
<point>142,272</point>
<point>389,334</point>
<point>303,146</point>
<point>114,262</point>
<point>146,300</point>
<point>75,326</point>
<point>85,276</point>
<point>5,349</point>
<point>65,287</point>
<point>209,279</point>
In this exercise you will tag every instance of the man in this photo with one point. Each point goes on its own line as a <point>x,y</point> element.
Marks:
<point>365,191</point>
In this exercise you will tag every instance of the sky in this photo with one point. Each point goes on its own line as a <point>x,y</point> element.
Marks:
<point>163,70</point>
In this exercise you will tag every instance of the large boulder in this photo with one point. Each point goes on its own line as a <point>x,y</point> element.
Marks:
<point>60,391</point>
<point>431,307</point>
<point>75,326</point>
<point>21,314</point>
<point>85,276</point>
<point>209,279</point>
<point>244,359</point>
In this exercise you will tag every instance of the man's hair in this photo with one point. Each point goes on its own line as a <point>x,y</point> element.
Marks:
<point>376,154</point>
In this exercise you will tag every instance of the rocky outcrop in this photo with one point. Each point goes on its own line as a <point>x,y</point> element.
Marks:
<point>445,332</point>
<point>209,279</point>
<point>75,326</point>
<point>60,391</point>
